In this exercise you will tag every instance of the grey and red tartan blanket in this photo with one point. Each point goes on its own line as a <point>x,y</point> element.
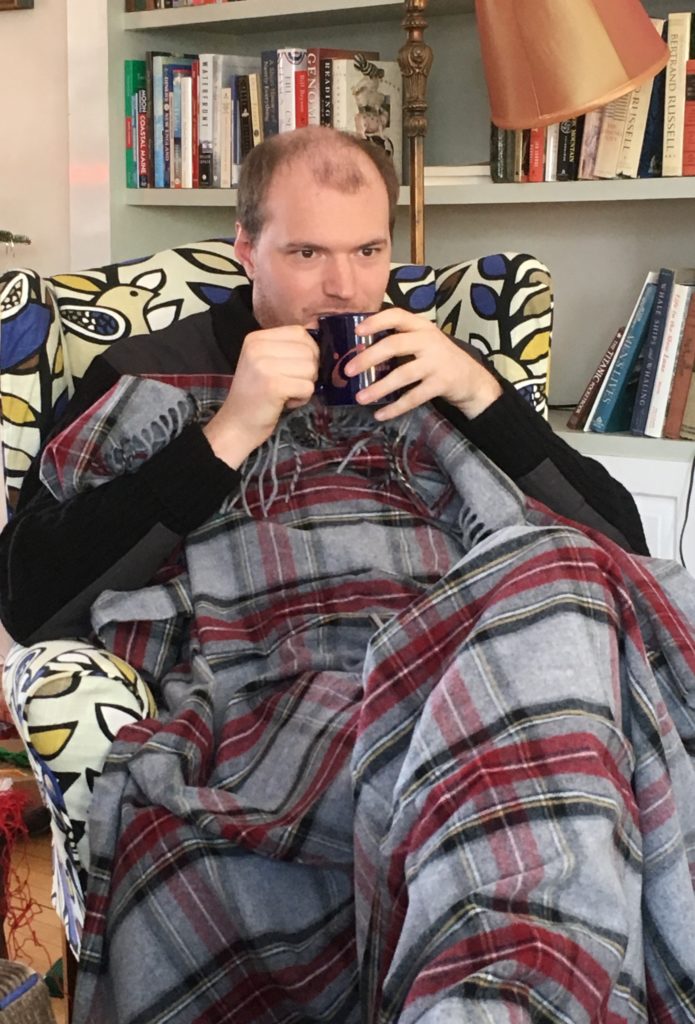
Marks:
<point>425,751</point>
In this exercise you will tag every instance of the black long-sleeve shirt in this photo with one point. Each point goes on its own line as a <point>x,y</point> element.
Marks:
<point>56,558</point>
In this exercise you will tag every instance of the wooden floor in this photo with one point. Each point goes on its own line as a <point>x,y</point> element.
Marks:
<point>32,859</point>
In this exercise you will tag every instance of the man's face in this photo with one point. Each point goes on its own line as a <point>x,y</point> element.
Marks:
<point>320,251</point>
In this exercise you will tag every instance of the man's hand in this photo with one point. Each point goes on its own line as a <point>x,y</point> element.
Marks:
<point>434,367</point>
<point>277,370</point>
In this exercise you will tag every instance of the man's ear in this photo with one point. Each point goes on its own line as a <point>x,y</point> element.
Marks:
<point>243,251</point>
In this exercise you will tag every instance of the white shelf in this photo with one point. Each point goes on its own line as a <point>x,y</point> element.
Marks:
<point>463,195</point>
<point>623,445</point>
<point>251,15</point>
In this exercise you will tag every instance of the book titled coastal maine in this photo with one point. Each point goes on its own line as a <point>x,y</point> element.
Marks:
<point>368,100</point>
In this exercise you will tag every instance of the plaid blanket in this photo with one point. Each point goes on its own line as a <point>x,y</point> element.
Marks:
<point>425,753</point>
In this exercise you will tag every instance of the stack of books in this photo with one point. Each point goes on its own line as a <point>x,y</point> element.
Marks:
<point>648,133</point>
<point>190,120</point>
<point>645,381</point>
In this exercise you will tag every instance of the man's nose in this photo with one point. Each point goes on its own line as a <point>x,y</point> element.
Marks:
<point>339,279</point>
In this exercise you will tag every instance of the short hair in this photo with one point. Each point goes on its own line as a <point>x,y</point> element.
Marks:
<point>328,149</point>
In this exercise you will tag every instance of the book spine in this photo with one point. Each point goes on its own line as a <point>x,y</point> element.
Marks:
<point>689,120</point>
<point>313,85</point>
<point>256,111</point>
<point>589,144</point>
<point>652,346</point>
<point>301,100</point>
<point>158,120</point>
<point>142,143</point>
<point>673,330</point>
<point>552,139</point>
<point>167,109</point>
<point>195,115</point>
<point>339,96</point>
<point>536,154</point>
<point>186,87</point>
<point>205,116</point>
<point>131,87</point>
<point>289,60</point>
<point>568,149</point>
<point>682,375</point>
<point>326,83</point>
<point>613,408</point>
<point>650,155</point>
<point>224,137</point>
<point>610,142</point>
<point>269,79</point>
<point>583,407</point>
<point>243,94</point>
<point>674,98</point>
<point>635,124</point>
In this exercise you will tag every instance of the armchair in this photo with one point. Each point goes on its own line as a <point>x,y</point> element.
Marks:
<point>50,330</point>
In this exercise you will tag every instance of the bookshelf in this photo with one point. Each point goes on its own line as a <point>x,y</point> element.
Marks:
<point>598,238</point>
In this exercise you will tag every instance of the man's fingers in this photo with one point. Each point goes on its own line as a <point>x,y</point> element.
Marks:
<point>417,396</point>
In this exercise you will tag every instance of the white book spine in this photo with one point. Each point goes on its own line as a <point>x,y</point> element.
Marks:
<point>673,330</point>
<point>256,107</point>
<point>288,59</point>
<point>633,137</point>
<point>225,137</point>
<point>187,132</point>
<point>205,100</point>
<point>552,138</point>
<point>610,141</point>
<point>674,93</point>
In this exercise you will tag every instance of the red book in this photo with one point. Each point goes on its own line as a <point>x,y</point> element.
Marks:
<point>301,98</point>
<point>689,120</point>
<point>536,162</point>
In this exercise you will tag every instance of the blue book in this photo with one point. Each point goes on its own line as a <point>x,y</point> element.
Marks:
<point>614,407</point>
<point>652,349</point>
<point>157,62</point>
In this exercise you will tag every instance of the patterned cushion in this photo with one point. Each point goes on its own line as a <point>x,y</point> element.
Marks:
<point>503,306</point>
<point>34,383</point>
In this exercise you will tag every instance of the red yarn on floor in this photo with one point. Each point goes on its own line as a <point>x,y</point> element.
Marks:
<point>17,906</point>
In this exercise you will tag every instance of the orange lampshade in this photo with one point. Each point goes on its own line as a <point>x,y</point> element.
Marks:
<point>549,60</point>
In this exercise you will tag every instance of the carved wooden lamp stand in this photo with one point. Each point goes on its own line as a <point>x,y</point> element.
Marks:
<point>415,60</point>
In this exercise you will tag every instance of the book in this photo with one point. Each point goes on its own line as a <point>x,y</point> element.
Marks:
<point>681,290</point>
<point>590,137</point>
<point>614,407</point>
<point>134,80</point>
<point>171,116</point>
<point>678,24</point>
<point>256,107</point>
<point>552,139</point>
<point>633,136</point>
<point>292,62</point>
<point>225,135</point>
<point>496,153</point>
<point>650,156</point>
<point>141,142</point>
<point>186,166</point>
<point>154,60</point>
<point>368,100</point>
<point>689,120</point>
<point>582,409</point>
<point>269,91</point>
<point>226,70</point>
<point>569,142</point>
<point>314,56</point>
<point>682,375</point>
<point>652,347</point>
<point>610,140</point>
<point>536,154</point>
<point>243,93</point>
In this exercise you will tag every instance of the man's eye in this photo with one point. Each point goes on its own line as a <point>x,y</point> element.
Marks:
<point>306,254</point>
<point>370,250</point>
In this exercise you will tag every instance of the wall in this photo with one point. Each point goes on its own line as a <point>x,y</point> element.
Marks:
<point>34,149</point>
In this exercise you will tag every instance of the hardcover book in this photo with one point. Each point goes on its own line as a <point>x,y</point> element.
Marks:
<point>689,120</point>
<point>614,407</point>
<point>682,376</point>
<point>314,56</point>
<point>633,136</point>
<point>681,290</point>
<point>590,137</point>
<point>610,140</point>
<point>368,100</point>
<point>135,80</point>
<point>569,143</point>
<point>652,348</point>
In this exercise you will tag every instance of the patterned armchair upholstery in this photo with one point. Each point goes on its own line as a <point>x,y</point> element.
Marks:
<point>51,329</point>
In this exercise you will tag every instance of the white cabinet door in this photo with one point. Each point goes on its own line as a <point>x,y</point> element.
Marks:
<point>660,489</point>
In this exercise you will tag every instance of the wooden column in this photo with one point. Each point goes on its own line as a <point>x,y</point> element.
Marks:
<point>415,60</point>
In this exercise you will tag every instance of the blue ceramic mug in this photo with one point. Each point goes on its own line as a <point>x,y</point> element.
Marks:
<point>338,343</point>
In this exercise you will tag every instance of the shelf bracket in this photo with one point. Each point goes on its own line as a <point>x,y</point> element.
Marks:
<point>415,60</point>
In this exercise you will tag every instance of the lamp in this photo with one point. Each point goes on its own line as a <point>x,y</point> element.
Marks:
<point>550,60</point>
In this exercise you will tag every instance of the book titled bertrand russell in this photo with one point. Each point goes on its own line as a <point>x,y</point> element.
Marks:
<point>368,100</point>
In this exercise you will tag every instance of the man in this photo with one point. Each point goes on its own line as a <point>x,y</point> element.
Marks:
<point>316,210</point>
<point>410,742</point>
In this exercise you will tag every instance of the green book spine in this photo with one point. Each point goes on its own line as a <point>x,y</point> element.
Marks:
<point>134,77</point>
